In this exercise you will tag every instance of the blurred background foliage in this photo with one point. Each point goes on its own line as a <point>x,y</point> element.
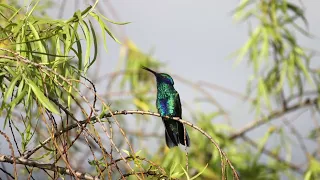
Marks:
<point>46,86</point>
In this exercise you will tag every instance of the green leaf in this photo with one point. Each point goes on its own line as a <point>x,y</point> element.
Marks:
<point>308,175</point>
<point>197,175</point>
<point>14,15</point>
<point>249,44</point>
<point>40,46</point>
<point>8,7</point>
<point>262,92</point>
<point>19,97</point>
<point>88,44</point>
<point>11,87</point>
<point>31,11</point>
<point>101,24</point>
<point>95,43</point>
<point>314,134</point>
<point>173,167</point>
<point>111,21</point>
<point>141,104</point>
<point>239,11</point>
<point>41,97</point>
<point>127,152</point>
<point>262,144</point>
<point>186,173</point>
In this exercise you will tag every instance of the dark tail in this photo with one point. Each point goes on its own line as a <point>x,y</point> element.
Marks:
<point>183,135</point>
<point>174,133</point>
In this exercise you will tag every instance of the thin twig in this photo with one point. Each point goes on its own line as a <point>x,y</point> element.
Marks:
<point>273,115</point>
<point>12,153</point>
<point>125,112</point>
<point>51,167</point>
<point>273,155</point>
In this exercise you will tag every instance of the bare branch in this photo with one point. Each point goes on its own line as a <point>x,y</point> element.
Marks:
<point>12,153</point>
<point>125,112</point>
<point>273,155</point>
<point>273,115</point>
<point>51,167</point>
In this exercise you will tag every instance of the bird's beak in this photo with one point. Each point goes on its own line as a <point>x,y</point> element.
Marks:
<point>153,72</point>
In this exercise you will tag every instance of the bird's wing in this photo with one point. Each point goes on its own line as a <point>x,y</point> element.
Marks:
<point>177,105</point>
<point>182,132</point>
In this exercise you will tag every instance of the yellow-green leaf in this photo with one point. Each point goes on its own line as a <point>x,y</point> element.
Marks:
<point>41,97</point>
<point>11,87</point>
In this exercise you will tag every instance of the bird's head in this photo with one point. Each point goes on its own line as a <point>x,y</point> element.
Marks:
<point>161,77</point>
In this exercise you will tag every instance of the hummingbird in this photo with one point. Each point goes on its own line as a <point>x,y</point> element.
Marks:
<point>168,104</point>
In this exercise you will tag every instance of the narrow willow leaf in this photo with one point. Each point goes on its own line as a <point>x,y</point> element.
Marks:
<point>262,91</point>
<point>109,20</point>
<point>74,31</point>
<point>95,43</point>
<point>78,52</point>
<point>283,74</point>
<point>302,67</point>
<point>197,175</point>
<point>8,117</point>
<point>12,72</point>
<point>254,58</point>
<point>8,7</point>
<point>314,133</point>
<point>105,28</point>
<point>101,24</point>
<point>5,61</point>
<point>31,11</point>
<point>126,151</point>
<point>264,52</point>
<point>58,51</point>
<point>46,148</point>
<point>69,97</point>
<point>14,15</point>
<point>140,104</point>
<point>110,34</point>
<point>299,51</point>
<point>262,144</point>
<point>284,6</point>
<point>298,11</point>
<point>19,97</point>
<point>308,175</point>
<point>17,29</point>
<point>67,40</point>
<point>173,167</point>
<point>302,30</point>
<point>186,173</point>
<point>29,101</point>
<point>88,44</point>
<point>290,73</point>
<point>11,87</point>
<point>249,44</point>
<point>26,136</point>
<point>18,40</point>
<point>41,97</point>
<point>239,11</point>
<point>44,57</point>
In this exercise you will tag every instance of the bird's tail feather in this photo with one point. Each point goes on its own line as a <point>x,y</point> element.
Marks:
<point>170,143</point>
<point>171,137</point>
<point>174,133</point>
<point>183,135</point>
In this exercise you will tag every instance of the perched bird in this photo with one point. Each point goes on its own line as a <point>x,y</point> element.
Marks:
<point>168,104</point>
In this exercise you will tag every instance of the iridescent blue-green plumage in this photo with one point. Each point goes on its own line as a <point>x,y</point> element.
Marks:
<point>168,104</point>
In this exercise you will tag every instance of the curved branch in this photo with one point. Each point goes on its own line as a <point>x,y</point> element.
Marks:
<point>14,161</point>
<point>273,115</point>
<point>51,167</point>
<point>125,112</point>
